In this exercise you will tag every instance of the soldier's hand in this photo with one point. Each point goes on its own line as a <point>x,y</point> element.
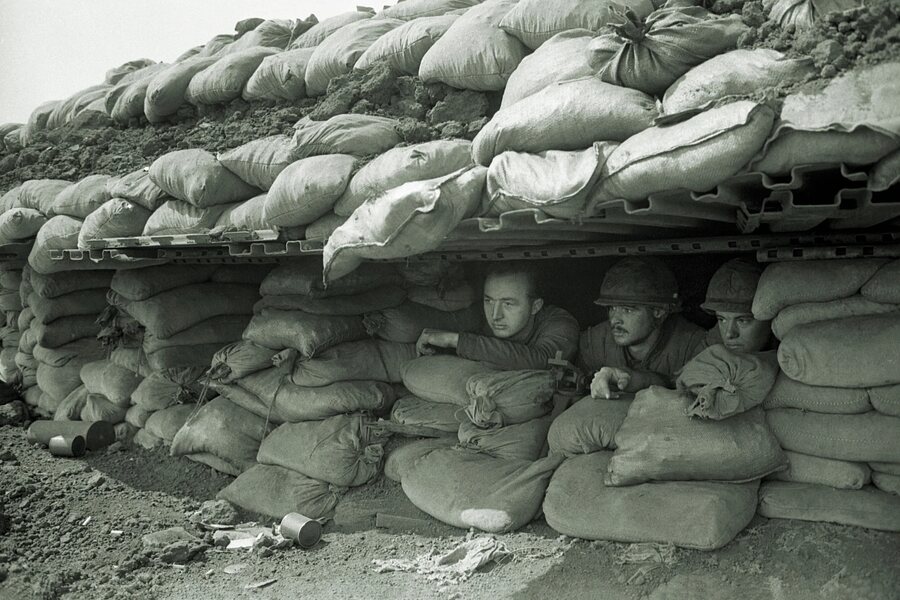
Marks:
<point>605,378</point>
<point>430,339</point>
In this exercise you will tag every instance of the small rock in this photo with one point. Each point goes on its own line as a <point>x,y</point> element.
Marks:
<point>167,537</point>
<point>7,456</point>
<point>180,552</point>
<point>96,480</point>
<point>216,512</point>
<point>826,52</point>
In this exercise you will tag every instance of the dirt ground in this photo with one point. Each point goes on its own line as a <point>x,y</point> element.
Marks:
<point>72,529</point>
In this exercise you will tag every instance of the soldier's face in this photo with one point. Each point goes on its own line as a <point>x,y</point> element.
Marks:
<point>508,306</point>
<point>632,324</point>
<point>742,333</point>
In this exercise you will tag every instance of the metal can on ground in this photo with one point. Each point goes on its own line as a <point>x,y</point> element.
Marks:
<point>67,445</point>
<point>304,531</point>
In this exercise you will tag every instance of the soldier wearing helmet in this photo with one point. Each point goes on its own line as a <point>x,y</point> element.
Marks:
<point>644,342</point>
<point>729,297</point>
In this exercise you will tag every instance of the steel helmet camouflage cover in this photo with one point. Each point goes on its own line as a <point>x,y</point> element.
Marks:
<point>645,280</point>
<point>732,287</point>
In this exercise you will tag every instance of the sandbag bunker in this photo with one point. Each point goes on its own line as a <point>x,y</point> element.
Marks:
<point>304,378</point>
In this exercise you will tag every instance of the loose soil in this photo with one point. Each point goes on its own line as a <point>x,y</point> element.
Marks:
<point>62,515</point>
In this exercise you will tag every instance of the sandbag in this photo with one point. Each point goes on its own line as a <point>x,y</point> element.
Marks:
<point>804,468</point>
<point>166,423</point>
<point>411,410</point>
<point>340,450</point>
<point>886,400</point>
<point>175,357</point>
<point>37,120</point>
<point>522,441</point>
<point>508,397</point>
<point>10,302</point>
<point>589,425</point>
<point>868,507</point>
<point>659,442</point>
<point>10,280</point>
<point>403,47</point>
<point>407,220</point>
<point>696,154</point>
<point>72,405</point>
<point>568,115</point>
<point>884,175</point>
<point>129,98</point>
<point>271,33</point>
<point>172,311</point>
<point>456,298</point>
<point>853,120</point>
<point>308,189</point>
<point>196,177</point>
<point>113,382</point>
<point>294,403</point>
<point>63,330</point>
<point>126,69</point>
<point>536,21</point>
<point>59,382</point>
<point>58,233</point>
<point>374,360</point>
<point>242,216</point>
<point>400,460</point>
<point>276,491</point>
<point>137,416</point>
<point>20,224</point>
<point>259,162</point>
<point>735,73</point>
<point>561,58</point>
<point>354,304</point>
<point>474,53</point>
<point>884,285</point>
<point>556,182</point>
<point>115,218</point>
<point>139,188</point>
<point>405,323</point>
<point>886,482</point>
<point>10,199</point>
<point>86,349</point>
<point>250,273</point>
<point>279,77</point>
<point>442,378</point>
<point>147,440</point>
<point>39,194</point>
<point>359,135</point>
<point>692,514</point>
<point>883,467</point>
<point>217,330</point>
<point>811,312</point>
<point>467,489</point>
<point>224,80</point>
<point>141,284</point>
<point>787,283</point>
<point>787,393</point>
<point>240,359</point>
<point>337,54</point>
<point>82,198</point>
<point>166,90</point>
<point>98,408</point>
<point>859,438</point>
<point>82,302</point>
<point>316,34</point>
<point>403,165</point>
<point>309,334</point>
<point>305,278</point>
<point>722,383</point>
<point>409,10</point>
<point>649,54</point>
<point>852,352</point>
<point>224,430</point>
<point>155,392</point>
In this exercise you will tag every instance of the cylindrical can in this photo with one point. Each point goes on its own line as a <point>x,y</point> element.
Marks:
<point>96,434</point>
<point>303,530</point>
<point>67,445</point>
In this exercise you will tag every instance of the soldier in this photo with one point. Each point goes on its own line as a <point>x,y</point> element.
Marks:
<point>521,332</point>
<point>730,297</point>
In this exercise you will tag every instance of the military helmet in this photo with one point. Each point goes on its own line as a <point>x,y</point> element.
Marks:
<point>732,287</point>
<point>642,281</point>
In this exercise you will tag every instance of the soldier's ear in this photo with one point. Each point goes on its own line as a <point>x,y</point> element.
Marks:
<point>660,313</point>
<point>537,305</point>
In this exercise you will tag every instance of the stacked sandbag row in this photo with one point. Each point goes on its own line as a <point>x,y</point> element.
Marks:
<point>166,323</point>
<point>61,314</point>
<point>489,473</point>
<point>672,466</point>
<point>10,334</point>
<point>836,405</point>
<point>24,209</point>
<point>308,365</point>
